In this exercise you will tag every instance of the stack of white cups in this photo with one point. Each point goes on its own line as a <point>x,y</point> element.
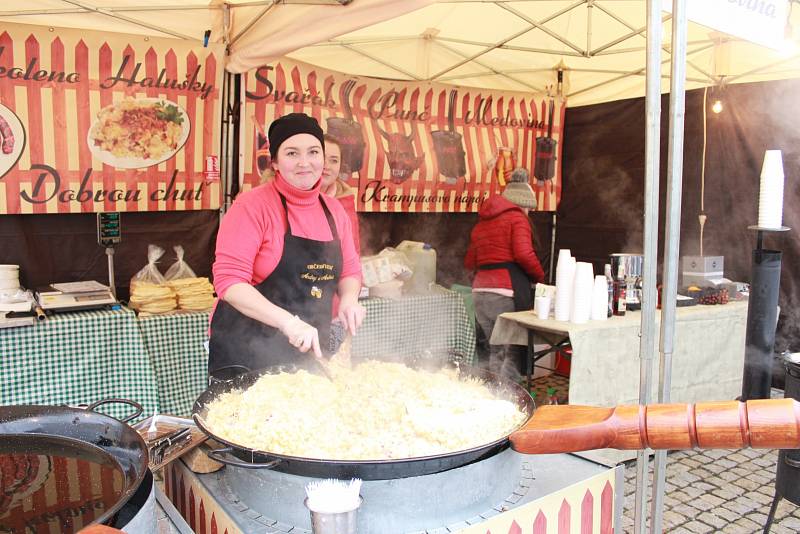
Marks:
<point>582,293</point>
<point>565,277</point>
<point>9,278</point>
<point>770,197</point>
<point>600,298</point>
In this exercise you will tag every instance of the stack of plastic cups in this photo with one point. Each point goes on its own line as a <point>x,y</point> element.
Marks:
<point>582,293</point>
<point>600,298</point>
<point>565,277</point>
<point>770,197</point>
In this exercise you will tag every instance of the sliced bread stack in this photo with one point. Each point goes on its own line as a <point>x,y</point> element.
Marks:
<point>193,293</point>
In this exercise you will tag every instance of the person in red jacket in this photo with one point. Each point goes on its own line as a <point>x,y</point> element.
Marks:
<point>501,255</point>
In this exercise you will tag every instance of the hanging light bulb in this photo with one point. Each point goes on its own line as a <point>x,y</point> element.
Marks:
<point>716,107</point>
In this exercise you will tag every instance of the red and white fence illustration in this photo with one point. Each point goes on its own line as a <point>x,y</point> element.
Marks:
<point>586,507</point>
<point>414,147</point>
<point>161,107</point>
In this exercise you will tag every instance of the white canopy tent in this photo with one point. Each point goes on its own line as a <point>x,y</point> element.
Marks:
<point>513,45</point>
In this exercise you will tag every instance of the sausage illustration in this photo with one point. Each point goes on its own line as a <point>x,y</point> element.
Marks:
<point>7,135</point>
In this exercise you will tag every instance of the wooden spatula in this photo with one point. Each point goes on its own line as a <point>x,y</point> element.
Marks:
<point>761,424</point>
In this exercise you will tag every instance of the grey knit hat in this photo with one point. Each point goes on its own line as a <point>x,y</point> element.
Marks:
<point>519,190</point>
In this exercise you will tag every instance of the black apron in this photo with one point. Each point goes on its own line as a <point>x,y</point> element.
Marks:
<point>303,283</point>
<point>520,283</point>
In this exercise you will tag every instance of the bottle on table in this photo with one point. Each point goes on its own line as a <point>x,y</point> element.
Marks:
<point>619,292</point>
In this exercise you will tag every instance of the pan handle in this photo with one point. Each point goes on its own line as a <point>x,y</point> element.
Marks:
<point>134,415</point>
<point>218,455</point>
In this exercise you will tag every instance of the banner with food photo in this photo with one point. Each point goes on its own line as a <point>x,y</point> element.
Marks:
<point>412,146</point>
<point>95,121</point>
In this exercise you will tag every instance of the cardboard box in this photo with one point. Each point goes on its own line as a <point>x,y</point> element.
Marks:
<point>698,270</point>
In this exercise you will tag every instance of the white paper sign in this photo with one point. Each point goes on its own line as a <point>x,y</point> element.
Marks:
<point>758,21</point>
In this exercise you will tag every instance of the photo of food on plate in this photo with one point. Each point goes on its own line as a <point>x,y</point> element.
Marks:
<point>131,134</point>
<point>12,139</point>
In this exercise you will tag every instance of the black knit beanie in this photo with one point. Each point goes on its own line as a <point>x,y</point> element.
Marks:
<point>284,127</point>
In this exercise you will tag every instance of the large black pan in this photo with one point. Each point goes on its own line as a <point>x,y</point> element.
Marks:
<point>364,469</point>
<point>78,433</point>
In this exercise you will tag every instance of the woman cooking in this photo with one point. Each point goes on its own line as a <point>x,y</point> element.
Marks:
<point>283,251</point>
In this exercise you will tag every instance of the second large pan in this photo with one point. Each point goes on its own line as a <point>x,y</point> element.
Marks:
<point>240,456</point>
<point>102,460</point>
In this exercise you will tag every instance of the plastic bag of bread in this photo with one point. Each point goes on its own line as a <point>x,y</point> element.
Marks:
<point>149,294</point>
<point>179,269</point>
<point>150,273</point>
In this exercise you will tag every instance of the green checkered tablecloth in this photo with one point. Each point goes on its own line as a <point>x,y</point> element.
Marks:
<point>77,358</point>
<point>437,323</point>
<point>175,345</point>
<point>160,361</point>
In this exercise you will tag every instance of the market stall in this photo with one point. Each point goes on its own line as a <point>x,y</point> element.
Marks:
<point>452,159</point>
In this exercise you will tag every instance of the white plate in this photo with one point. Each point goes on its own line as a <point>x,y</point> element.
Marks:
<point>9,284</point>
<point>8,160</point>
<point>137,163</point>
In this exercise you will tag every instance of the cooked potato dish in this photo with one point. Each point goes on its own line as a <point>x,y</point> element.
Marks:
<point>374,411</point>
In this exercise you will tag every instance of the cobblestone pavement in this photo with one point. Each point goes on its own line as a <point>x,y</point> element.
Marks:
<point>719,490</point>
<point>728,491</point>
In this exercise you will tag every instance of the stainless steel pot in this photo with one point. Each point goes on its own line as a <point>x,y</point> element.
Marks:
<point>631,263</point>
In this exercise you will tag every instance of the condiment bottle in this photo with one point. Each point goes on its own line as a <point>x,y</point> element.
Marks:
<point>610,282</point>
<point>619,292</point>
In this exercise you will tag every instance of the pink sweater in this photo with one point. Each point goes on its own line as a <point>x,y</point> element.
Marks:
<point>250,238</point>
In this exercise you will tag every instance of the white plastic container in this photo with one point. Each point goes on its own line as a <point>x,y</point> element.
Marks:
<point>423,264</point>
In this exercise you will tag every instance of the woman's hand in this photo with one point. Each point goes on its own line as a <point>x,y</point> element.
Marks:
<point>302,335</point>
<point>352,315</point>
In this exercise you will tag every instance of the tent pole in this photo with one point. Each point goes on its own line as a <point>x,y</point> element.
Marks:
<point>647,346</point>
<point>669,293</point>
<point>241,143</point>
<point>226,144</point>
<point>551,274</point>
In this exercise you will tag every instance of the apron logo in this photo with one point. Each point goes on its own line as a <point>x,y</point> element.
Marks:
<point>316,292</point>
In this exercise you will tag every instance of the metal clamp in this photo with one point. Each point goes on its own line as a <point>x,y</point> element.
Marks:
<point>136,405</point>
<point>217,455</point>
<point>164,446</point>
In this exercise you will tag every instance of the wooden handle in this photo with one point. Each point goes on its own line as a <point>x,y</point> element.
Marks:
<point>761,424</point>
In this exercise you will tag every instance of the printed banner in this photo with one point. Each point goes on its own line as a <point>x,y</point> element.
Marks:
<point>95,121</point>
<point>413,147</point>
